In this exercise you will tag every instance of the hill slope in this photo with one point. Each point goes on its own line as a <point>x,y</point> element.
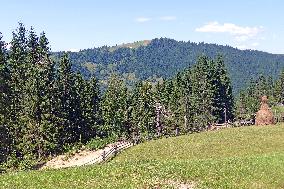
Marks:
<point>248,157</point>
<point>165,57</point>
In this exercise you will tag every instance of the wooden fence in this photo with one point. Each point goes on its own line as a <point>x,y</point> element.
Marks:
<point>110,153</point>
<point>115,149</point>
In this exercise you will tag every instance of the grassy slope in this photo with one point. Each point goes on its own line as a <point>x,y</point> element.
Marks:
<point>248,157</point>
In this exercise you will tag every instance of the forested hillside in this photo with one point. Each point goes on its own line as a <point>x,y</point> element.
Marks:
<point>46,107</point>
<point>163,58</point>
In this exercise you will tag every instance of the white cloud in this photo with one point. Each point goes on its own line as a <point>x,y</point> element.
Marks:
<point>168,18</point>
<point>240,33</point>
<point>255,44</point>
<point>143,19</point>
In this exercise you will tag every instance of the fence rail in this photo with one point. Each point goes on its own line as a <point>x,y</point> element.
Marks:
<point>109,153</point>
<point>115,149</point>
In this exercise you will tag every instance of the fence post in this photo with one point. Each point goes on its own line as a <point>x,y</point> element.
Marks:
<point>115,150</point>
<point>177,131</point>
<point>104,156</point>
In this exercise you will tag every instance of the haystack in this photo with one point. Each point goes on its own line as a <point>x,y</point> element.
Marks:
<point>264,116</point>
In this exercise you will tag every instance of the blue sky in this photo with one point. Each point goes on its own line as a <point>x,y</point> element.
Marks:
<point>80,24</point>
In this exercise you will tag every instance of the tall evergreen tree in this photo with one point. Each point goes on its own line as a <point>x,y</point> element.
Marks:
<point>143,109</point>
<point>18,71</point>
<point>114,107</point>
<point>65,107</point>
<point>202,99</point>
<point>5,91</point>
<point>186,86</point>
<point>91,110</point>
<point>40,133</point>
<point>223,97</point>
<point>279,89</point>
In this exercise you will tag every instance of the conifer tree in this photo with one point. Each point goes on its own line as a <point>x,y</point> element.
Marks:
<point>279,89</point>
<point>91,109</point>
<point>143,106</point>
<point>176,105</point>
<point>5,91</point>
<point>223,97</point>
<point>18,73</point>
<point>114,108</point>
<point>186,86</point>
<point>40,131</point>
<point>66,101</point>
<point>202,98</point>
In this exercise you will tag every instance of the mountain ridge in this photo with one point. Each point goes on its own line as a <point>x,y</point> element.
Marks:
<point>162,58</point>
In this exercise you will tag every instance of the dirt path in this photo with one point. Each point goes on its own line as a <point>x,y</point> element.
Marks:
<point>84,157</point>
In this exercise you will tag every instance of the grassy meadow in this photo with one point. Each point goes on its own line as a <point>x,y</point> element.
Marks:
<point>245,157</point>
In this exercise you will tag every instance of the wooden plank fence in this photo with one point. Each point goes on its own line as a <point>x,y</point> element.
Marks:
<point>110,153</point>
<point>230,124</point>
<point>107,154</point>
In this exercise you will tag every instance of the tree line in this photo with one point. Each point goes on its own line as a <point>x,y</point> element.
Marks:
<point>163,58</point>
<point>46,106</point>
<point>248,100</point>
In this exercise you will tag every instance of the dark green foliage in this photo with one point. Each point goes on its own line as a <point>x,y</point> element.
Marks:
<point>279,89</point>
<point>99,143</point>
<point>223,97</point>
<point>197,97</point>
<point>18,69</point>
<point>89,98</point>
<point>164,58</point>
<point>68,107</point>
<point>46,107</point>
<point>142,109</point>
<point>5,92</point>
<point>248,101</point>
<point>114,108</point>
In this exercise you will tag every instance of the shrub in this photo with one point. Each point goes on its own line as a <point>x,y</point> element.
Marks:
<point>99,143</point>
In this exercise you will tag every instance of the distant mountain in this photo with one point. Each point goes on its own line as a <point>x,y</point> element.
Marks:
<point>163,58</point>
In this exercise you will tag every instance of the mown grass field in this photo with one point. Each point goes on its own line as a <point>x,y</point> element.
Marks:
<point>247,157</point>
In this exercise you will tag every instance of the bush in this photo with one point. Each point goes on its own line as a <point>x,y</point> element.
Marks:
<point>99,143</point>
<point>72,149</point>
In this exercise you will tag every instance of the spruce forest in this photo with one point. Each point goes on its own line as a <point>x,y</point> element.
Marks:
<point>50,102</point>
<point>163,58</point>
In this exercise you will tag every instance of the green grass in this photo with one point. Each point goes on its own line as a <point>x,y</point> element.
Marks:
<point>278,111</point>
<point>247,157</point>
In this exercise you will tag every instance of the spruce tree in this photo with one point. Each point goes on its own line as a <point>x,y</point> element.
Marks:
<point>279,89</point>
<point>187,97</point>
<point>5,90</point>
<point>223,97</point>
<point>201,101</point>
<point>91,109</point>
<point>39,100</point>
<point>66,102</point>
<point>18,72</point>
<point>143,109</point>
<point>114,106</point>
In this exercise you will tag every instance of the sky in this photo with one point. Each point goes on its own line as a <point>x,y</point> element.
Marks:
<point>80,24</point>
